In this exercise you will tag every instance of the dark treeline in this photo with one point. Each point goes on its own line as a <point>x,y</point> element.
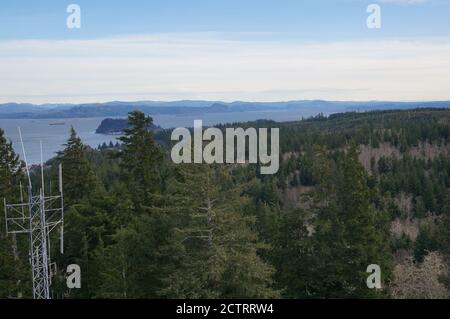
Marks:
<point>353,189</point>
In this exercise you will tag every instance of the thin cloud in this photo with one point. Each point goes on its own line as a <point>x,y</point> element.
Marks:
<point>218,66</point>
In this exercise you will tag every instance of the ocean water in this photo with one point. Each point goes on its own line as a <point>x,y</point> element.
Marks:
<point>54,136</point>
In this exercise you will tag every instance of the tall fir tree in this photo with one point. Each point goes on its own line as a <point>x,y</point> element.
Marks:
<point>350,234</point>
<point>294,268</point>
<point>85,218</point>
<point>140,259</point>
<point>79,180</point>
<point>342,235</point>
<point>218,239</point>
<point>140,159</point>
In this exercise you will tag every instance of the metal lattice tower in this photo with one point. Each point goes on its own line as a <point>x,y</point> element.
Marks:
<point>38,217</point>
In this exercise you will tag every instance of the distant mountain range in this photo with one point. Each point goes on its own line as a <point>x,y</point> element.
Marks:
<point>121,109</point>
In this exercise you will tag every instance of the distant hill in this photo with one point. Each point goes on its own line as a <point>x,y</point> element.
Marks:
<point>121,109</point>
<point>18,108</point>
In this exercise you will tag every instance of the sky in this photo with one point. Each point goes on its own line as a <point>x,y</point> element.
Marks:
<point>265,50</point>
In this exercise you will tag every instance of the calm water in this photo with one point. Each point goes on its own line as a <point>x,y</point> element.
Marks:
<point>54,136</point>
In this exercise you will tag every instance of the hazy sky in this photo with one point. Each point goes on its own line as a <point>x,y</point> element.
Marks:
<point>224,50</point>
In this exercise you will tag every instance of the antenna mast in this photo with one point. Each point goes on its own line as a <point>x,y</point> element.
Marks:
<point>37,217</point>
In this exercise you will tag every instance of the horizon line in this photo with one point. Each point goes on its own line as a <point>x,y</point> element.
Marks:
<point>227,102</point>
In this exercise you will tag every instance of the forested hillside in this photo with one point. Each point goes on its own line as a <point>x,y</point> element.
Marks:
<point>353,189</point>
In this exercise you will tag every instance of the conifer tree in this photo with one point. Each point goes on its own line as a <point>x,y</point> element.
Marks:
<point>84,221</point>
<point>11,169</point>
<point>140,260</point>
<point>78,176</point>
<point>140,159</point>
<point>218,237</point>
<point>14,281</point>
<point>294,243</point>
<point>350,235</point>
<point>12,265</point>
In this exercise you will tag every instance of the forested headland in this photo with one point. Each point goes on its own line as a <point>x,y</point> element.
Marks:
<point>353,189</point>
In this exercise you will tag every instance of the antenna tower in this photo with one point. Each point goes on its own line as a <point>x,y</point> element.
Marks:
<point>37,216</point>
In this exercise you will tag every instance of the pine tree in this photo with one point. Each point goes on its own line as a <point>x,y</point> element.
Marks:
<point>85,222</point>
<point>425,243</point>
<point>12,265</point>
<point>293,259</point>
<point>140,159</point>
<point>11,169</point>
<point>130,263</point>
<point>218,238</point>
<point>14,274</point>
<point>89,224</point>
<point>140,259</point>
<point>297,242</point>
<point>350,235</point>
<point>78,176</point>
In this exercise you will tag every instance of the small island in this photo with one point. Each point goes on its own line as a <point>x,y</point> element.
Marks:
<point>117,126</point>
